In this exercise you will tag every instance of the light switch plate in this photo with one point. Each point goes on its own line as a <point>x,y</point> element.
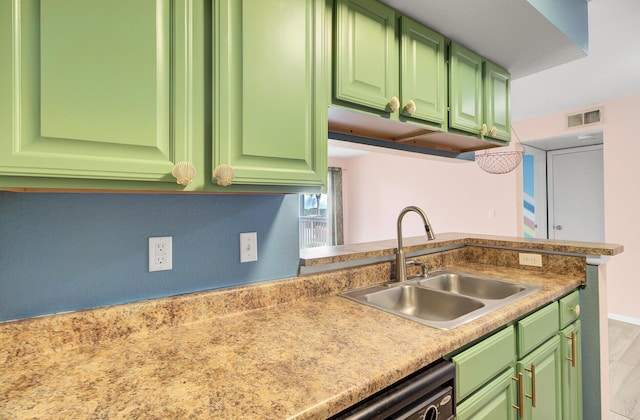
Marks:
<point>160,253</point>
<point>248,247</point>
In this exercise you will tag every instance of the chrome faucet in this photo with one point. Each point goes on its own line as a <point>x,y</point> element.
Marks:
<point>401,265</point>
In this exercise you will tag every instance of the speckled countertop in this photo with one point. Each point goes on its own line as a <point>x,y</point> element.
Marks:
<point>328,255</point>
<point>287,349</point>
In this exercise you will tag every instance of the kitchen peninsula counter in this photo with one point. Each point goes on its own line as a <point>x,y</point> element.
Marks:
<point>283,349</point>
<point>318,256</point>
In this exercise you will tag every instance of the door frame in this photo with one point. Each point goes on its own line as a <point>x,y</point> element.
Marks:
<point>540,191</point>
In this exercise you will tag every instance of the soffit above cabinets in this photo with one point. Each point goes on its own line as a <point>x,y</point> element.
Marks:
<point>511,33</point>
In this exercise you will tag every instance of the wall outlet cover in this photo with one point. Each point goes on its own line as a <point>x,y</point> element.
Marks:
<point>534,260</point>
<point>160,253</point>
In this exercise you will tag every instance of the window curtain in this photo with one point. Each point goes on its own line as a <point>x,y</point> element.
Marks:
<point>334,192</point>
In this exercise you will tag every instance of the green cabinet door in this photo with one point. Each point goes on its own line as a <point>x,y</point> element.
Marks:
<point>97,90</point>
<point>423,75</point>
<point>541,370</point>
<point>494,401</point>
<point>365,54</point>
<point>497,106</point>
<point>477,365</point>
<point>465,89</point>
<point>479,95</point>
<point>570,339</point>
<point>269,98</point>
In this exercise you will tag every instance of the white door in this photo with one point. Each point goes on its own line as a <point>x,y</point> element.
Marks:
<point>576,194</point>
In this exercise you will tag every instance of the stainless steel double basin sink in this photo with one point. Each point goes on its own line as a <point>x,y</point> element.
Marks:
<point>442,299</point>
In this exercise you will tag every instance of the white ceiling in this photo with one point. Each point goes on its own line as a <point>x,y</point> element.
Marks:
<point>611,70</point>
<point>511,33</point>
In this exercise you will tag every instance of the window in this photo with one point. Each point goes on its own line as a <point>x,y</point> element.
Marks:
<point>320,217</point>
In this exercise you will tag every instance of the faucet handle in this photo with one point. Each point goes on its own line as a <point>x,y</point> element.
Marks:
<point>423,265</point>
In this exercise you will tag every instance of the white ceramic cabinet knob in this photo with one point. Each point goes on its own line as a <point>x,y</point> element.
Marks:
<point>576,309</point>
<point>394,104</point>
<point>184,172</point>
<point>484,129</point>
<point>493,131</point>
<point>410,107</point>
<point>224,174</point>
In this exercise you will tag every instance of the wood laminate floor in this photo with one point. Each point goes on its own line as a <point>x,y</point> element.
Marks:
<point>624,370</point>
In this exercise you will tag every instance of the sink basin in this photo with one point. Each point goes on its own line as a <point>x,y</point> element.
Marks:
<point>423,303</point>
<point>443,299</point>
<point>470,285</point>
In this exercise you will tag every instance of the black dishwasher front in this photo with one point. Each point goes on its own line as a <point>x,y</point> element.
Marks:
<point>425,395</point>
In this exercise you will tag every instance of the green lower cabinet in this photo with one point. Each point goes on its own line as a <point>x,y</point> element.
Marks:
<point>541,372</point>
<point>96,90</point>
<point>493,401</point>
<point>477,365</point>
<point>270,78</point>
<point>546,383</point>
<point>570,339</point>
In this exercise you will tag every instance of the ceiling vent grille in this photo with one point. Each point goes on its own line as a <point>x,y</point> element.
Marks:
<point>593,116</point>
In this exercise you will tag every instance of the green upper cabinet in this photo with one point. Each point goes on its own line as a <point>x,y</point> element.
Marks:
<point>423,81</point>
<point>388,64</point>
<point>497,97</point>
<point>465,89</point>
<point>479,95</point>
<point>269,91</point>
<point>366,54</point>
<point>95,90</point>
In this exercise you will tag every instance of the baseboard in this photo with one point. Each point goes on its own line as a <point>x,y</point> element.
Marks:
<point>623,318</point>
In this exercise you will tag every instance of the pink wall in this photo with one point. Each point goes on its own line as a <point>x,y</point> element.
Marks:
<point>457,196</point>
<point>622,203</point>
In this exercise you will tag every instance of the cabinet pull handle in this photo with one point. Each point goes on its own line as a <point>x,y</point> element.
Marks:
<point>493,131</point>
<point>184,172</point>
<point>520,405</point>
<point>576,309</point>
<point>532,370</point>
<point>483,130</point>
<point>410,107</point>
<point>224,174</point>
<point>394,104</point>
<point>572,359</point>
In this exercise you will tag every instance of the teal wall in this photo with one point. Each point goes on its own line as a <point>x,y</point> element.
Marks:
<point>61,252</point>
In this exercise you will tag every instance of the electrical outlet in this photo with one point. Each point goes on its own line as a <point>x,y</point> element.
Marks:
<point>534,260</point>
<point>248,247</point>
<point>160,253</point>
